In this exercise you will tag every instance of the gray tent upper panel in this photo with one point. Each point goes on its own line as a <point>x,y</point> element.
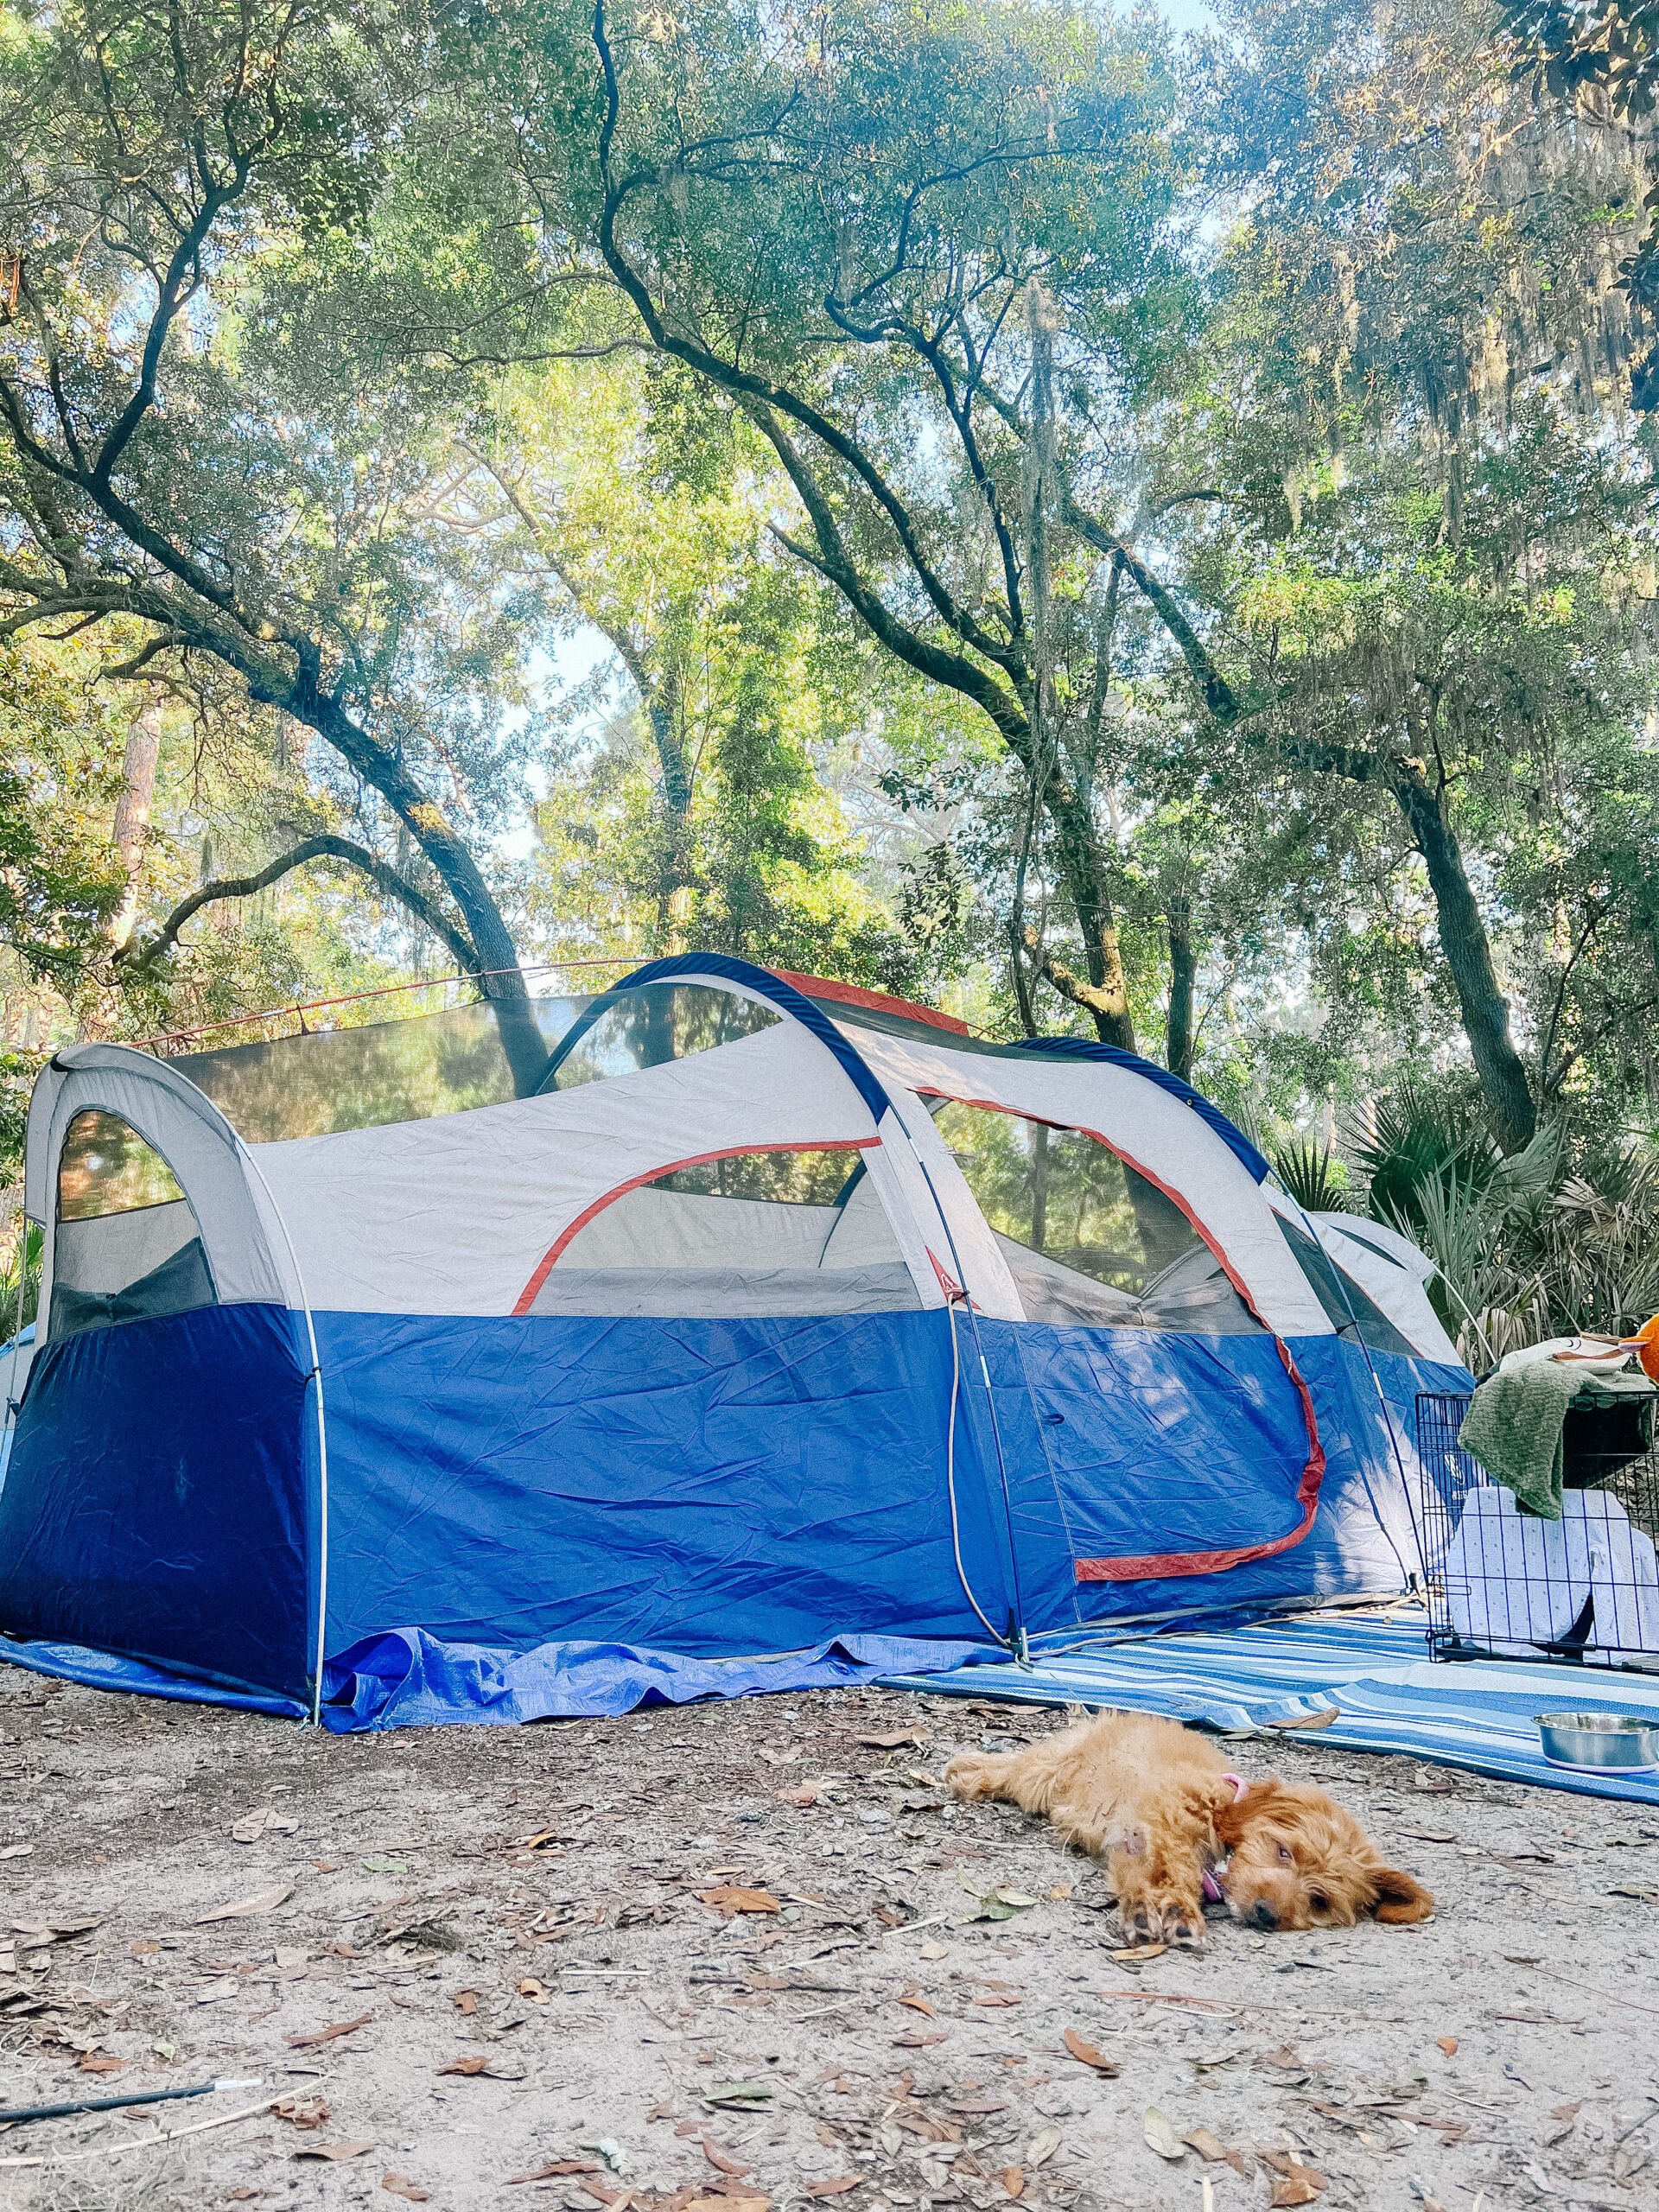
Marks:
<point>211,1198</point>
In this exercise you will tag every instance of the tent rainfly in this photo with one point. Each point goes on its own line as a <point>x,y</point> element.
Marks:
<point>443,1369</point>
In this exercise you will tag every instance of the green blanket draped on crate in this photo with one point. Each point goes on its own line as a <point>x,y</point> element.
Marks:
<point>1515,1425</point>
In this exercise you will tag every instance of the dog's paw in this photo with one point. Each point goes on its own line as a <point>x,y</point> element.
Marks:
<point>1162,1917</point>
<point>973,1775</point>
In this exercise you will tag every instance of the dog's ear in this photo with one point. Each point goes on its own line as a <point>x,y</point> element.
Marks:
<point>1260,1798</point>
<point>1396,1898</point>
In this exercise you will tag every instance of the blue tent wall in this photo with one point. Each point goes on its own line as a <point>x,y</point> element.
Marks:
<point>157,1497</point>
<point>708,1487</point>
<point>711,1488</point>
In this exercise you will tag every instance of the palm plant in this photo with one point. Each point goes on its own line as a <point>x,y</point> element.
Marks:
<point>1312,1175</point>
<point>1536,1245</point>
<point>20,1279</point>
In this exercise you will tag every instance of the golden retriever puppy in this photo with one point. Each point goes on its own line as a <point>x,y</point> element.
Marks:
<point>1154,1801</point>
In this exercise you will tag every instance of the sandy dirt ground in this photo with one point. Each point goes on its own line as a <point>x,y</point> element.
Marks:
<point>502,1966</point>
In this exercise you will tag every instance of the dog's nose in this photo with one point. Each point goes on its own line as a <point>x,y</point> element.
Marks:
<point>1264,1916</point>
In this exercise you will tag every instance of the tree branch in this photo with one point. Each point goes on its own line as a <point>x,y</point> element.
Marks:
<point>309,849</point>
<point>743,385</point>
<point>1091,997</point>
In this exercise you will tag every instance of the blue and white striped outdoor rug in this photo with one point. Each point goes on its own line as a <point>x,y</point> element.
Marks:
<point>1374,1670</point>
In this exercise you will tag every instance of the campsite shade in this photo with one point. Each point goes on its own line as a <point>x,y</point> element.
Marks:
<point>640,1322</point>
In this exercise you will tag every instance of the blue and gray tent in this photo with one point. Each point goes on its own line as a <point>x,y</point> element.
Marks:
<point>728,1313</point>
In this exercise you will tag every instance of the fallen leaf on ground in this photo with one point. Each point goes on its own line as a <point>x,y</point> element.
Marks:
<point>933,1949</point>
<point>894,1738</point>
<point>1567,2112</point>
<point>722,2159</point>
<point>384,1866</point>
<point>401,2185</point>
<point>16,1850</point>
<point>241,2195</point>
<point>1013,2180</point>
<point>1160,2136</point>
<point>1449,2044</point>
<point>1430,1835</point>
<point>464,2000</point>
<point>664,2111</point>
<point>727,2204</point>
<point>474,2063</point>
<point>918,2004</point>
<point>531,1988</point>
<point>914,2039</point>
<point>346,1951</point>
<point>97,2062</point>
<point>1043,2146</point>
<point>1308,1722</point>
<point>332,2150</point>
<point>261,1901</point>
<point>730,1899</point>
<point>301,2112</point>
<point>804,1795</point>
<point>146,1949</point>
<point>539,1841</point>
<point>327,2035</point>
<point>552,2173</point>
<point>996,1999</point>
<point>742,2095</point>
<point>1210,2146</point>
<point>252,1826</point>
<point>1142,1951</point>
<point>1087,2053</point>
<point>1644,1897</point>
<point>838,2186</point>
<point>1308,2180</point>
<point>1062,1890</point>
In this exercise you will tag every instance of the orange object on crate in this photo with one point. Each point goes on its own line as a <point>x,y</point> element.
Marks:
<point>1645,1344</point>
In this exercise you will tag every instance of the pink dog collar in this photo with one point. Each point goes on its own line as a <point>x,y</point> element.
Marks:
<point>1212,1888</point>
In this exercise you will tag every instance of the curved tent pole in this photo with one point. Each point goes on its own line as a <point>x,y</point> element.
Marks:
<point>792,1001</point>
<point>1016,1640</point>
<point>315,1377</point>
<point>1376,1383</point>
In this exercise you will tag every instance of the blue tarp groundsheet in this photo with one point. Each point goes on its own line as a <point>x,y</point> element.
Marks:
<point>1373,1672</point>
<point>409,1679</point>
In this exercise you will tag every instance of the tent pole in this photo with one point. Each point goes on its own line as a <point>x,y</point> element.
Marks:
<point>1013,1639</point>
<point>1377,1384</point>
<point>315,1377</point>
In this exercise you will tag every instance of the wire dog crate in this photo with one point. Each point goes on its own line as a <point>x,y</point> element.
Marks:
<point>1500,1584</point>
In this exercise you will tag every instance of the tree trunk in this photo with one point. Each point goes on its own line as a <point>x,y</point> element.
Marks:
<point>1183,971</point>
<point>1469,955</point>
<point>661,705</point>
<point>1106,996</point>
<point>521,1036</point>
<point>132,809</point>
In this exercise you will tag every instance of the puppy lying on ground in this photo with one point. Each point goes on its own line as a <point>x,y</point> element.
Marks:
<point>1154,1801</point>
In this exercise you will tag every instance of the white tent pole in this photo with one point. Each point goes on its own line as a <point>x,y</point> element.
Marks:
<point>323,1436</point>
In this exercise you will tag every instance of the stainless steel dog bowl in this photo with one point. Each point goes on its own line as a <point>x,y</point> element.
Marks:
<point>1598,1740</point>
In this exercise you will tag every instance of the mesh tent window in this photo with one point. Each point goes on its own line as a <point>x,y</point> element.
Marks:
<point>325,1082</point>
<point>776,1231</point>
<point>1087,1239</point>
<point>649,1026</point>
<point>127,1247</point>
<point>1347,1307</point>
